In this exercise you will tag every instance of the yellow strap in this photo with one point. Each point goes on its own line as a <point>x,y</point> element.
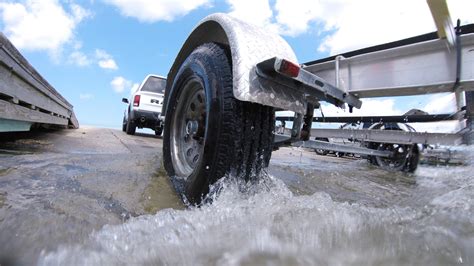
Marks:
<point>439,11</point>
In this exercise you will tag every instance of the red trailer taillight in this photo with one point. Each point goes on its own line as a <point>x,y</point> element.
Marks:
<point>289,68</point>
<point>136,100</point>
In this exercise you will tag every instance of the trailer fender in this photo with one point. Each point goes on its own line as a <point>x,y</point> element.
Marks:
<point>248,45</point>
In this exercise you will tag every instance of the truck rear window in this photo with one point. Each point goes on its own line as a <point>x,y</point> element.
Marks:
<point>154,84</point>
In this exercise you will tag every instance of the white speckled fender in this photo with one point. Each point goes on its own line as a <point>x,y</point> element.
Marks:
<point>249,45</point>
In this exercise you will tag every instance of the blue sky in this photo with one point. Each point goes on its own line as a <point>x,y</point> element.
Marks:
<point>94,52</point>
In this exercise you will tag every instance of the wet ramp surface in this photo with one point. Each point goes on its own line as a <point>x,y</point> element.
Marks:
<point>59,187</point>
<point>111,204</point>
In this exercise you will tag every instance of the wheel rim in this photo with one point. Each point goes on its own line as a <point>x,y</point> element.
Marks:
<point>399,157</point>
<point>188,129</point>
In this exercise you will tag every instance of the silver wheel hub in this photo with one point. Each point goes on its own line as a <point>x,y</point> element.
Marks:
<point>188,129</point>
<point>192,127</point>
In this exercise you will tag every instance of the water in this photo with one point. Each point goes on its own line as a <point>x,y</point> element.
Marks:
<point>100,197</point>
<point>302,213</point>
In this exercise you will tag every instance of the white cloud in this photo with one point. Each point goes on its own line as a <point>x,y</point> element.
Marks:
<point>100,57</point>
<point>256,12</point>
<point>41,24</point>
<point>85,96</point>
<point>441,103</point>
<point>350,24</point>
<point>79,58</point>
<point>363,23</point>
<point>370,107</point>
<point>283,17</point>
<point>119,84</point>
<point>156,10</point>
<point>375,107</point>
<point>134,88</point>
<point>294,19</point>
<point>108,64</point>
<point>105,60</point>
<point>438,127</point>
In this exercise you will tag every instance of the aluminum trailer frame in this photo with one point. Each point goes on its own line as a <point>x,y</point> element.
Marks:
<point>414,66</point>
<point>26,98</point>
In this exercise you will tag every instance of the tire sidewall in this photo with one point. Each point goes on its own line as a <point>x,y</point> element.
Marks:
<point>204,68</point>
<point>124,124</point>
<point>131,127</point>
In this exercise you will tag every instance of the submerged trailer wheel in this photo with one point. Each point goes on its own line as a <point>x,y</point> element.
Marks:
<point>405,157</point>
<point>208,133</point>
<point>321,151</point>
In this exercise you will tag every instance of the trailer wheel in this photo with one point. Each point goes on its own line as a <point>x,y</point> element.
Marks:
<point>406,157</point>
<point>208,133</point>
<point>400,156</point>
<point>321,151</point>
<point>413,159</point>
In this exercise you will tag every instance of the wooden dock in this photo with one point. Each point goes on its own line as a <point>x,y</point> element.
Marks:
<point>27,100</point>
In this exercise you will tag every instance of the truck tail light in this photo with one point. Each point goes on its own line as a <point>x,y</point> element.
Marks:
<point>289,68</point>
<point>136,100</point>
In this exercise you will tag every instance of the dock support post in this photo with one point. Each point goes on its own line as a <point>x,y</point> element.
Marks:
<point>469,135</point>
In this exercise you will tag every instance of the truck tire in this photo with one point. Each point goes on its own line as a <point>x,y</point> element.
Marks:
<point>124,124</point>
<point>159,131</point>
<point>131,127</point>
<point>208,133</point>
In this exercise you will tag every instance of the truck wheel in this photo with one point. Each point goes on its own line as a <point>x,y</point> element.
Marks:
<point>159,131</point>
<point>124,124</point>
<point>208,133</point>
<point>131,127</point>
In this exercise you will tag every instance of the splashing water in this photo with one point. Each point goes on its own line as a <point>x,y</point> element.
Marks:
<point>267,224</point>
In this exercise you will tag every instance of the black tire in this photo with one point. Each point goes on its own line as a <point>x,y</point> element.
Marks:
<point>159,131</point>
<point>131,126</point>
<point>320,151</point>
<point>225,135</point>
<point>124,124</point>
<point>406,157</point>
<point>413,159</point>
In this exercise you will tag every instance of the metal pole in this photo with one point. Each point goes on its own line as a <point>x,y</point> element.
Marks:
<point>307,122</point>
<point>338,78</point>
<point>469,135</point>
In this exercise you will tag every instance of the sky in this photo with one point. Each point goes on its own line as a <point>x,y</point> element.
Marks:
<point>95,52</point>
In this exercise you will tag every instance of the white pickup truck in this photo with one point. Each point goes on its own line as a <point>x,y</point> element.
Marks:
<point>144,106</point>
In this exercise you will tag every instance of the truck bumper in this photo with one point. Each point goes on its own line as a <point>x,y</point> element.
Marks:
<point>146,119</point>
